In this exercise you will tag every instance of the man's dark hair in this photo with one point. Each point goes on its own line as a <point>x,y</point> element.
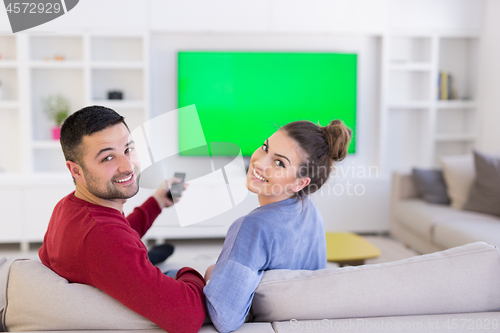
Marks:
<point>83,122</point>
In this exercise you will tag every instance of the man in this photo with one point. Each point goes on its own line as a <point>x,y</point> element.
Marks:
<point>90,241</point>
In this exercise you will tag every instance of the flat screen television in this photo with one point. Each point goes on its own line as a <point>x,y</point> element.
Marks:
<point>244,97</point>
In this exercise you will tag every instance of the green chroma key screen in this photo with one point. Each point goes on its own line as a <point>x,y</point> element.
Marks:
<point>244,97</point>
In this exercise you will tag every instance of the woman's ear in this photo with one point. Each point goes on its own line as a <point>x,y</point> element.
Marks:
<point>76,171</point>
<point>301,183</point>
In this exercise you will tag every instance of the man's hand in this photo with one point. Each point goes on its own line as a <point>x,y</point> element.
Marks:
<point>161,194</point>
<point>209,272</point>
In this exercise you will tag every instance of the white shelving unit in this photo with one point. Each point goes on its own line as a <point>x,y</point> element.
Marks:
<point>416,128</point>
<point>83,67</point>
<point>55,66</point>
<point>120,62</point>
<point>88,65</point>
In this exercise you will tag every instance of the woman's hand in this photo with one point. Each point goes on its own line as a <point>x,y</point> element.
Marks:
<point>161,194</point>
<point>209,272</point>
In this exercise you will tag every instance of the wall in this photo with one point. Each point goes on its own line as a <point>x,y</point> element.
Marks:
<point>371,17</point>
<point>436,15</point>
<point>235,16</point>
<point>489,80</point>
<point>304,24</point>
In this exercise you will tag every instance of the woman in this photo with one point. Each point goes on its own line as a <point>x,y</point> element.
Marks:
<point>286,231</point>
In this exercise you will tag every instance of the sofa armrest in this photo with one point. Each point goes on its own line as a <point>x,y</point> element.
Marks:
<point>403,187</point>
<point>4,269</point>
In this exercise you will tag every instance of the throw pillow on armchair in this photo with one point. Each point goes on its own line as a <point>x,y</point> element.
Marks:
<point>484,195</point>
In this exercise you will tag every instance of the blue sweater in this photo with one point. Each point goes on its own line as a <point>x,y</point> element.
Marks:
<point>283,235</point>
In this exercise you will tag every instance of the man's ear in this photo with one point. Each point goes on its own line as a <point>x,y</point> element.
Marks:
<point>301,183</point>
<point>76,171</point>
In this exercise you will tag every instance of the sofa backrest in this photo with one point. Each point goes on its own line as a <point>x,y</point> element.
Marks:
<point>462,279</point>
<point>458,280</point>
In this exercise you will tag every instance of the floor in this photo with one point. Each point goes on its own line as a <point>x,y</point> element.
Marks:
<point>201,253</point>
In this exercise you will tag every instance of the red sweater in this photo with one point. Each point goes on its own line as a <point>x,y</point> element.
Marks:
<point>98,246</point>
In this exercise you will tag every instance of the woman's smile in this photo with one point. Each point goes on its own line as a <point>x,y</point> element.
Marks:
<point>257,176</point>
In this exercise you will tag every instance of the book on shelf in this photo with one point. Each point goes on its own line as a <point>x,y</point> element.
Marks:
<point>446,86</point>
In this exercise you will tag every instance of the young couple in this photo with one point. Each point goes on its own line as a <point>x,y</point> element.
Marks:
<point>89,240</point>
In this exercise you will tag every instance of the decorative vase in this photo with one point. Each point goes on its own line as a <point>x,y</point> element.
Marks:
<point>56,132</point>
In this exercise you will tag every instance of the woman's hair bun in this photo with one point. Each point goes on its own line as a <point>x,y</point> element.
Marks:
<point>338,136</point>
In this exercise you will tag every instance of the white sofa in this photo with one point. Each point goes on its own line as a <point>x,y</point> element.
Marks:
<point>427,227</point>
<point>457,289</point>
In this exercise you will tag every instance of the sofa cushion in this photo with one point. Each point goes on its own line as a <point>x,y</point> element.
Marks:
<point>484,195</point>
<point>464,230</point>
<point>461,279</point>
<point>431,185</point>
<point>421,217</point>
<point>459,174</point>
<point>40,300</point>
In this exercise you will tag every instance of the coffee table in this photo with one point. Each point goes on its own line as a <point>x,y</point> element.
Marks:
<point>346,248</point>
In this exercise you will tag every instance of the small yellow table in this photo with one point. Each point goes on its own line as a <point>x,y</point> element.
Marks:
<point>346,248</point>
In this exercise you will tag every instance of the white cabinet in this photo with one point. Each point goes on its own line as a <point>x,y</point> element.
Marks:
<point>38,203</point>
<point>26,204</point>
<point>11,226</point>
<point>416,128</point>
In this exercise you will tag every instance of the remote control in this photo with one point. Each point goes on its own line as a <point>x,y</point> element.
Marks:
<point>176,189</point>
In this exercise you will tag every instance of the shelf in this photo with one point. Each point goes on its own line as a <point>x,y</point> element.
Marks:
<point>413,49</point>
<point>56,64</point>
<point>119,104</point>
<point>456,104</point>
<point>49,46</point>
<point>409,105</point>
<point>454,137</point>
<point>410,66</point>
<point>8,64</point>
<point>129,81</point>
<point>9,77</point>
<point>9,104</point>
<point>118,65</point>
<point>8,48</point>
<point>46,144</point>
<point>45,82</point>
<point>457,57</point>
<point>409,85</point>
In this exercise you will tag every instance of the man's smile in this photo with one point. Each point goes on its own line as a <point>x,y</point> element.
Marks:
<point>124,180</point>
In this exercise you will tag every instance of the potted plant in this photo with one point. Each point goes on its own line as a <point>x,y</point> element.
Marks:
<point>57,108</point>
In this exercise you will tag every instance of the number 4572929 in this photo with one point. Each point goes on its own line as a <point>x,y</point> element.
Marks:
<point>33,8</point>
